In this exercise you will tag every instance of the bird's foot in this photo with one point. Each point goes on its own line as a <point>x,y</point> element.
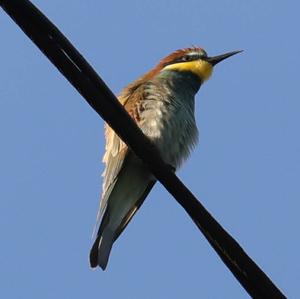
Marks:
<point>172,168</point>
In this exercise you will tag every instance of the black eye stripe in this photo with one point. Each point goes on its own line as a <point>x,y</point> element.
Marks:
<point>188,57</point>
<point>193,57</point>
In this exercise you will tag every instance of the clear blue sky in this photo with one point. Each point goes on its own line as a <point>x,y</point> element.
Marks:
<point>245,170</point>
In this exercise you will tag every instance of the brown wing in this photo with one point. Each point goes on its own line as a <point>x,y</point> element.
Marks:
<point>116,150</point>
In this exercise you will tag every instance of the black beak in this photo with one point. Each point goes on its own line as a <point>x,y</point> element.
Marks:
<point>216,59</point>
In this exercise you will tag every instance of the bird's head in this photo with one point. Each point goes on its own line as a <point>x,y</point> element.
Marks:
<point>194,60</point>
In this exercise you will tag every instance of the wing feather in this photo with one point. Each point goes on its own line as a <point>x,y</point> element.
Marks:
<point>116,151</point>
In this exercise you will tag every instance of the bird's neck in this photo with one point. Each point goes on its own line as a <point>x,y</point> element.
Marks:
<point>180,82</point>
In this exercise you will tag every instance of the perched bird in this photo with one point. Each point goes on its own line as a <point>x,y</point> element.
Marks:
<point>162,104</point>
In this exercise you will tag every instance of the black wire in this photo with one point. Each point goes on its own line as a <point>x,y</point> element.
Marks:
<point>81,75</point>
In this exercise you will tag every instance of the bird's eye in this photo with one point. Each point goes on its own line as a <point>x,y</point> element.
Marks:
<point>203,55</point>
<point>186,58</point>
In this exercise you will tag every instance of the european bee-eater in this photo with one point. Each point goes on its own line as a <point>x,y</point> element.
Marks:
<point>162,104</point>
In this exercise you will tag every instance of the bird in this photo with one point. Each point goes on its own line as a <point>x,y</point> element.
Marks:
<point>162,103</point>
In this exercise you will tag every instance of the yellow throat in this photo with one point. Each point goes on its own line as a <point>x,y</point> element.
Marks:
<point>201,68</point>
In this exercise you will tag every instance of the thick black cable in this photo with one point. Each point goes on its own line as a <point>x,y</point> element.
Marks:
<point>81,75</point>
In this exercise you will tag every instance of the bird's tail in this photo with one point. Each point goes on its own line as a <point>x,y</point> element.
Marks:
<point>107,235</point>
<point>131,188</point>
<point>101,249</point>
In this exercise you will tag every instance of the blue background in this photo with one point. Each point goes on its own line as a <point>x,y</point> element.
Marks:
<point>245,170</point>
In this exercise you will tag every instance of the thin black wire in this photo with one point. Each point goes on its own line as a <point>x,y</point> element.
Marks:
<point>81,75</point>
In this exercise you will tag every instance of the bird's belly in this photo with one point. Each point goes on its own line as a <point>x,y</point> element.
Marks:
<point>173,132</point>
